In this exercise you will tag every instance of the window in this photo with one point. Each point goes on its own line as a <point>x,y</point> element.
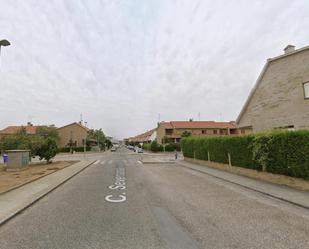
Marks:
<point>204,131</point>
<point>215,131</point>
<point>306,90</point>
<point>168,131</point>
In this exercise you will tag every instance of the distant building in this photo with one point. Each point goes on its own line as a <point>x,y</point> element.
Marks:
<point>29,129</point>
<point>145,137</point>
<point>72,135</point>
<point>174,130</point>
<point>280,97</point>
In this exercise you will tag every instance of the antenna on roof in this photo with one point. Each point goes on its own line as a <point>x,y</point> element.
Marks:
<point>81,119</point>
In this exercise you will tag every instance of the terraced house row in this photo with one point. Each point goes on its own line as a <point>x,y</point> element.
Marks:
<point>175,130</point>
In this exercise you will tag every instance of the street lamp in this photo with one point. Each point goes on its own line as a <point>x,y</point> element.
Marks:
<point>4,43</point>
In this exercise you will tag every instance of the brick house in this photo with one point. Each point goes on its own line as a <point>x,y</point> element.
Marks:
<point>29,129</point>
<point>74,135</point>
<point>173,130</point>
<point>280,97</point>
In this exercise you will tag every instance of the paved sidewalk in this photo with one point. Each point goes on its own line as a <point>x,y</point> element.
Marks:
<point>297,197</point>
<point>15,201</point>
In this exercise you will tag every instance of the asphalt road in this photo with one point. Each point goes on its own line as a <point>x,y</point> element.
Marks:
<point>121,203</point>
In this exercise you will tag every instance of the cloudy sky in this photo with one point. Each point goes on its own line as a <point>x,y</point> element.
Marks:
<point>122,62</point>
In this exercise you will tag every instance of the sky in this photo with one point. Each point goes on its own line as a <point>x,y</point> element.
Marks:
<point>123,64</point>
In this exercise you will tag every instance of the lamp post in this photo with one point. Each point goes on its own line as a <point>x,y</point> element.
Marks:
<point>4,43</point>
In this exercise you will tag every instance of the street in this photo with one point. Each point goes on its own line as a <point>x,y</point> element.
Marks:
<point>118,202</point>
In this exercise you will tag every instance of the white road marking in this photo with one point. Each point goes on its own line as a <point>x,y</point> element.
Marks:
<point>139,162</point>
<point>102,162</point>
<point>110,162</point>
<point>120,184</point>
<point>96,162</point>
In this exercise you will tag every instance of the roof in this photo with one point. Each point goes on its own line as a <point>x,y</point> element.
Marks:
<point>197,124</point>
<point>259,79</point>
<point>75,123</point>
<point>144,137</point>
<point>30,129</point>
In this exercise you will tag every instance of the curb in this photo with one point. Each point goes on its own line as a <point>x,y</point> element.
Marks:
<point>245,186</point>
<point>2,222</point>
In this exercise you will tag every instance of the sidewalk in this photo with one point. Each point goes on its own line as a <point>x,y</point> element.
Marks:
<point>15,201</point>
<point>297,197</point>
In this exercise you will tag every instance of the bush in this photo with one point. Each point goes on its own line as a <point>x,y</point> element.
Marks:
<point>146,146</point>
<point>283,152</point>
<point>64,150</point>
<point>172,147</point>
<point>76,149</point>
<point>279,152</point>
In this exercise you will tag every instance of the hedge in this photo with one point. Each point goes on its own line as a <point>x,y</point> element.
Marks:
<point>279,152</point>
<point>76,149</point>
<point>285,153</point>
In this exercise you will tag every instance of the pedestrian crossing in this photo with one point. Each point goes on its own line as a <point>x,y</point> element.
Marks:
<point>110,162</point>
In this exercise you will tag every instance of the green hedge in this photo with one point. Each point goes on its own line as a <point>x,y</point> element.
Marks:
<point>285,153</point>
<point>76,149</point>
<point>172,147</point>
<point>280,152</point>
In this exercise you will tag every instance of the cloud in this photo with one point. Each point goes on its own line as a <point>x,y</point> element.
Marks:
<point>120,63</point>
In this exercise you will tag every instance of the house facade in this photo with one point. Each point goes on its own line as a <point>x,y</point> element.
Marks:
<point>145,137</point>
<point>174,130</point>
<point>280,97</point>
<point>72,135</point>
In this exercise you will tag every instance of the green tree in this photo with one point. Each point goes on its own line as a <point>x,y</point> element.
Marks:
<point>108,143</point>
<point>154,146</point>
<point>48,131</point>
<point>99,136</point>
<point>186,134</point>
<point>48,149</point>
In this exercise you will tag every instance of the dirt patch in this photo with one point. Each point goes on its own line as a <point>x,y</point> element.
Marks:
<point>264,176</point>
<point>10,180</point>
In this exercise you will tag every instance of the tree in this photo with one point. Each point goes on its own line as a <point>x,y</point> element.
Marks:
<point>154,146</point>
<point>99,136</point>
<point>109,144</point>
<point>186,134</point>
<point>48,131</point>
<point>48,149</point>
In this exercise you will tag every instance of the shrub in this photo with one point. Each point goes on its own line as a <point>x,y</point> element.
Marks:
<point>172,147</point>
<point>239,148</point>
<point>154,146</point>
<point>279,152</point>
<point>283,152</point>
<point>146,146</point>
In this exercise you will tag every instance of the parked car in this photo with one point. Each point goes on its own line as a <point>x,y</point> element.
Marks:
<point>113,149</point>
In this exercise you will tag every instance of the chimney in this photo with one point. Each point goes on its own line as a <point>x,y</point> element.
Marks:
<point>289,49</point>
